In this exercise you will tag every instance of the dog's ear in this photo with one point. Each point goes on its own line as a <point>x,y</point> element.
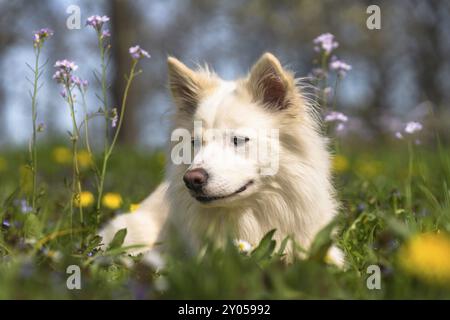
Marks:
<point>269,83</point>
<point>184,84</point>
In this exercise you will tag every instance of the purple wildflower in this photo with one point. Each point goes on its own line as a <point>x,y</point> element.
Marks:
<point>97,21</point>
<point>340,126</point>
<point>6,223</point>
<point>80,83</point>
<point>24,207</point>
<point>340,67</point>
<point>63,73</point>
<point>66,65</point>
<point>41,35</point>
<point>137,53</point>
<point>105,34</point>
<point>335,116</point>
<point>398,135</point>
<point>325,42</point>
<point>412,127</point>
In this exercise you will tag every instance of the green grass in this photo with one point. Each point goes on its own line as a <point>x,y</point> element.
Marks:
<point>384,203</point>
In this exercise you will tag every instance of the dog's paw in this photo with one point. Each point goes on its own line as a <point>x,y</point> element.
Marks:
<point>141,232</point>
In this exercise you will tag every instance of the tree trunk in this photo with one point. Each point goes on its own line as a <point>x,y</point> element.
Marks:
<point>123,19</point>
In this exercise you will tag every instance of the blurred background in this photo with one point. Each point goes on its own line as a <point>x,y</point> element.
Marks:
<point>400,73</point>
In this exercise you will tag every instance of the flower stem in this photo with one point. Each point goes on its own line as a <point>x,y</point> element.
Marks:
<point>33,149</point>
<point>76,183</point>
<point>102,173</point>
<point>109,150</point>
<point>86,135</point>
<point>410,174</point>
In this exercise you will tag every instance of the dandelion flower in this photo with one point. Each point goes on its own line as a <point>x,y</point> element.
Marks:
<point>243,246</point>
<point>369,168</point>
<point>134,207</point>
<point>112,200</point>
<point>340,163</point>
<point>84,199</point>
<point>62,155</point>
<point>84,159</point>
<point>427,256</point>
<point>137,53</point>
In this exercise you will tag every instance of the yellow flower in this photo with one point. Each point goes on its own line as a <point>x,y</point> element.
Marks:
<point>340,163</point>
<point>112,200</point>
<point>62,155</point>
<point>84,159</point>
<point>427,256</point>
<point>243,246</point>
<point>369,168</point>
<point>3,164</point>
<point>134,207</point>
<point>85,199</point>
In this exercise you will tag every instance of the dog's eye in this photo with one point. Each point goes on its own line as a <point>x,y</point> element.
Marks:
<point>237,141</point>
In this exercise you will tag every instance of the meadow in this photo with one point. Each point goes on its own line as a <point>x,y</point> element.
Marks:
<point>394,216</point>
<point>388,218</point>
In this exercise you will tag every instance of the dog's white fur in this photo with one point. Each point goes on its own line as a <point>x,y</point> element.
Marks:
<point>297,201</point>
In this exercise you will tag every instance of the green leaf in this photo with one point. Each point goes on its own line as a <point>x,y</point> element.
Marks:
<point>118,239</point>
<point>265,248</point>
<point>283,246</point>
<point>32,226</point>
<point>322,242</point>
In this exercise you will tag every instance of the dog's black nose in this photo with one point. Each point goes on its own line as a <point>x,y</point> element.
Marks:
<point>195,179</point>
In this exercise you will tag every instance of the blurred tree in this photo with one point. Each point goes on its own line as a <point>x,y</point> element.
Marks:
<point>427,50</point>
<point>124,19</point>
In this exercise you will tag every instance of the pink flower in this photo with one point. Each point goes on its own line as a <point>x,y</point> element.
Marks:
<point>41,35</point>
<point>63,74</point>
<point>412,127</point>
<point>340,67</point>
<point>97,21</point>
<point>66,65</point>
<point>335,116</point>
<point>137,53</point>
<point>325,42</point>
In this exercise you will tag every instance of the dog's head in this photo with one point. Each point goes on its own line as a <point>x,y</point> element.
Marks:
<point>234,128</point>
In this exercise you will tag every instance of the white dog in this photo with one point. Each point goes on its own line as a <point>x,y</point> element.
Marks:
<point>225,191</point>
